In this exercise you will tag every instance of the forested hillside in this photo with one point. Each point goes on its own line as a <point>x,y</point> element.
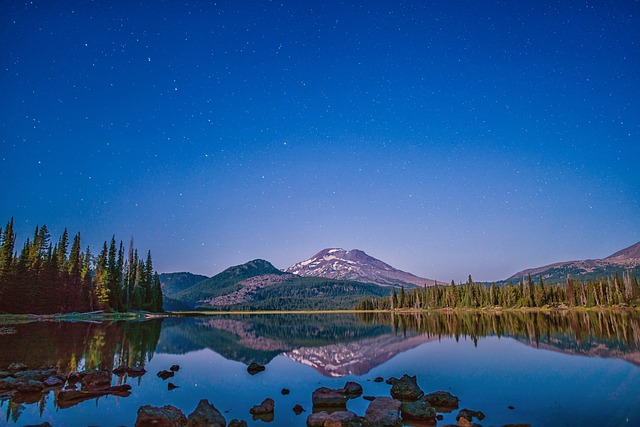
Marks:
<point>45,278</point>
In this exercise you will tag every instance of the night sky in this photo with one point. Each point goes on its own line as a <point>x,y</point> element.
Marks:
<point>445,138</point>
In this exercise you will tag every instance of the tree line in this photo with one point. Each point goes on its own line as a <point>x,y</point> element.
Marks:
<point>604,292</point>
<point>46,278</point>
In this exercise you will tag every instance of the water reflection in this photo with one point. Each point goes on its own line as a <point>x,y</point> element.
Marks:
<point>335,345</point>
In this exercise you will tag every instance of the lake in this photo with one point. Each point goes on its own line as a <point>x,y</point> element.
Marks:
<point>546,369</point>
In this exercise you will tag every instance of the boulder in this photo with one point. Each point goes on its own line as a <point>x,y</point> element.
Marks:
<point>419,410</point>
<point>120,370</point>
<point>165,374</point>
<point>53,382</point>
<point>166,416</point>
<point>96,380</point>
<point>334,419</point>
<point>351,389</point>
<point>171,386</point>
<point>206,415</point>
<point>406,389</point>
<point>298,409</point>
<point>254,368</point>
<point>469,415</point>
<point>378,379</point>
<point>266,407</point>
<point>384,412</point>
<point>324,397</point>
<point>174,368</point>
<point>443,401</point>
<point>29,386</point>
<point>15,367</point>
<point>68,398</point>
<point>285,391</point>
<point>237,423</point>
<point>136,371</point>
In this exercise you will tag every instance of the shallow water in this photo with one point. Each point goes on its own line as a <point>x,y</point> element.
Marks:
<point>570,369</point>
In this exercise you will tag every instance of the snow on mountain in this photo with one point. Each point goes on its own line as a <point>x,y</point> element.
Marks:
<point>337,263</point>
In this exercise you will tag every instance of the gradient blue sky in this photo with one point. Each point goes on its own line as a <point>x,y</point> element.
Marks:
<point>445,138</point>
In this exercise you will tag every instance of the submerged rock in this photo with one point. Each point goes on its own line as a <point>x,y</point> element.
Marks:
<point>166,416</point>
<point>419,410</point>
<point>325,397</point>
<point>443,401</point>
<point>285,391</point>
<point>96,380</point>
<point>206,415</point>
<point>254,368</point>
<point>298,409</point>
<point>174,368</point>
<point>406,389</point>
<point>351,389</point>
<point>171,386</point>
<point>384,412</point>
<point>68,398</point>
<point>165,374</point>
<point>334,419</point>
<point>237,423</point>
<point>136,371</point>
<point>378,379</point>
<point>266,407</point>
<point>465,416</point>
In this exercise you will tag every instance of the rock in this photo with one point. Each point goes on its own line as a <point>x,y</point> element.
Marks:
<point>237,423</point>
<point>266,407</point>
<point>15,367</point>
<point>517,425</point>
<point>351,389</point>
<point>334,419</point>
<point>53,382</point>
<point>384,411</point>
<point>419,410</point>
<point>378,379</point>
<point>27,398</point>
<point>469,415</point>
<point>285,391</point>
<point>165,374</point>
<point>74,378</point>
<point>391,381</point>
<point>96,380</point>
<point>206,415</point>
<point>4,374</point>
<point>44,424</point>
<point>171,386</point>
<point>68,398</point>
<point>174,368</point>
<point>120,370</point>
<point>136,371</point>
<point>406,389</point>
<point>29,386</point>
<point>8,383</point>
<point>443,401</point>
<point>254,368</point>
<point>369,398</point>
<point>439,417</point>
<point>166,416</point>
<point>324,397</point>
<point>511,407</point>
<point>298,409</point>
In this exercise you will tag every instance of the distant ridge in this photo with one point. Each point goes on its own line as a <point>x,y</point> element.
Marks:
<point>337,263</point>
<point>627,259</point>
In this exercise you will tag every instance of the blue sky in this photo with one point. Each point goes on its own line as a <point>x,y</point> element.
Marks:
<point>448,139</point>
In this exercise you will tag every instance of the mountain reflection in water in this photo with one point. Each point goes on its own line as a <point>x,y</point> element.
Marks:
<point>335,345</point>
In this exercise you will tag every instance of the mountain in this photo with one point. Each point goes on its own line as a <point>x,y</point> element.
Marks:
<point>226,282</point>
<point>622,261</point>
<point>176,282</point>
<point>355,265</point>
<point>258,285</point>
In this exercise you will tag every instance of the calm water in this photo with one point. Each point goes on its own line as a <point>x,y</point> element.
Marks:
<point>574,369</point>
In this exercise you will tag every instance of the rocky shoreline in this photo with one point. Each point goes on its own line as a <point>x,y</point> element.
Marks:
<point>407,403</point>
